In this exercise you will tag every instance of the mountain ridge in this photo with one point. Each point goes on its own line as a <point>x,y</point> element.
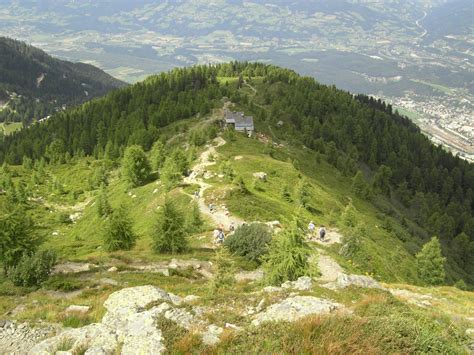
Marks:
<point>36,84</point>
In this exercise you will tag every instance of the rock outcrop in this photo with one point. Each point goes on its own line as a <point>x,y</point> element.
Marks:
<point>304,283</point>
<point>294,308</point>
<point>18,338</point>
<point>130,323</point>
<point>345,280</point>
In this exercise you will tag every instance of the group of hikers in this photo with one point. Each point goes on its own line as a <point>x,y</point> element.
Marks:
<point>219,235</point>
<point>312,231</point>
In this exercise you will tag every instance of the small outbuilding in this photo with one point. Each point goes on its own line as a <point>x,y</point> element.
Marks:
<point>239,121</point>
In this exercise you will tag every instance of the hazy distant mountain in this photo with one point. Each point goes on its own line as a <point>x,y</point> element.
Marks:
<point>34,84</point>
<point>413,53</point>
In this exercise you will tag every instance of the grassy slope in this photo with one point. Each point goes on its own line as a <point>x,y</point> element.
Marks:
<point>384,255</point>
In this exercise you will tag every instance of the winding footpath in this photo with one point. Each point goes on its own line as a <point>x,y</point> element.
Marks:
<point>219,216</point>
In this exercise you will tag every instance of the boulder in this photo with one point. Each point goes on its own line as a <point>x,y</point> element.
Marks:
<point>260,175</point>
<point>271,289</point>
<point>212,335</point>
<point>294,308</point>
<point>77,309</point>
<point>345,280</point>
<point>303,283</point>
<point>255,275</point>
<point>112,269</point>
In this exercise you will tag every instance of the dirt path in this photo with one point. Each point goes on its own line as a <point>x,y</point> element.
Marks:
<point>219,216</point>
<point>328,267</point>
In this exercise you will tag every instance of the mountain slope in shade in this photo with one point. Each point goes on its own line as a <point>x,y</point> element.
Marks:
<point>35,84</point>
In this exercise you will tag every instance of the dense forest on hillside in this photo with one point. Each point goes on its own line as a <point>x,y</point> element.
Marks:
<point>433,189</point>
<point>36,85</point>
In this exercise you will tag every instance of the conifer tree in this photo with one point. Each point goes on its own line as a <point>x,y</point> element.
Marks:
<point>135,166</point>
<point>157,155</point>
<point>359,186</point>
<point>195,221</point>
<point>103,206</point>
<point>169,235</point>
<point>287,257</point>
<point>430,263</point>
<point>119,233</point>
<point>17,236</point>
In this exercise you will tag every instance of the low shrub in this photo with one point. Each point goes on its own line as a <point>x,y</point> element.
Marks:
<point>33,270</point>
<point>250,241</point>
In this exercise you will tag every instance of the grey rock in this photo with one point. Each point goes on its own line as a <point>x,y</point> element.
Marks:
<point>255,275</point>
<point>294,308</point>
<point>112,269</point>
<point>77,309</point>
<point>212,335</point>
<point>271,289</point>
<point>304,283</point>
<point>345,280</point>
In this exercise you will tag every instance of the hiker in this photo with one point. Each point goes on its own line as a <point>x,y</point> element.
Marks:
<point>232,227</point>
<point>196,194</point>
<point>219,236</point>
<point>311,228</point>
<point>211,208</point>
<point>322,233</point>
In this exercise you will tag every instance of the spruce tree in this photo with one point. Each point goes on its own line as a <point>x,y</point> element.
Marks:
<point>119,234</point>
<point>103,206</point>
<point>430,263</point>
<point>17,236</point>
<point>135,166</point>
<point>195,221</point>
<point>157,155</point>
<point>287,257</point>
<point>169,235</point>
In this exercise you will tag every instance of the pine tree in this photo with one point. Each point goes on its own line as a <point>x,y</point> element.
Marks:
<point>430,263</point>
<point>169,235</point>
<point>157,155</point>
<point>348,217</point>
<point>119,233</point>
<point>224,270</point>
<point>287,258</point>
<point>103,206</point>
<point>304,193</point>
<point>195,221</point>
<point>359,186</point>
<point>17,236</point>
<point>170,174</point>
<point>135,166</point>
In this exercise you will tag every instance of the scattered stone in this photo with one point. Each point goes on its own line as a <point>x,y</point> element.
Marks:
<point>112,269</point>
<point>72,268</point>
<point>191,299</point>
<point>77,309</point>
<point>212,335</point>
<point>344,280</point>
<point>75,217</point>
<point>55,234</point>
<point>107,281</point>
<point>274,224</point>
<point>255,275</point>
<point>271,289</point>
<point>238,157</point>
<point>233,327</point>
<point>17,310</point>
<point>470,332</point>
<point>412,297</point>
<point>294,308</point>
<point>155,191</point>
<point>260,305</point>
<point>19,339</point>
<point>260,175</point>
<point>303,283</point>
